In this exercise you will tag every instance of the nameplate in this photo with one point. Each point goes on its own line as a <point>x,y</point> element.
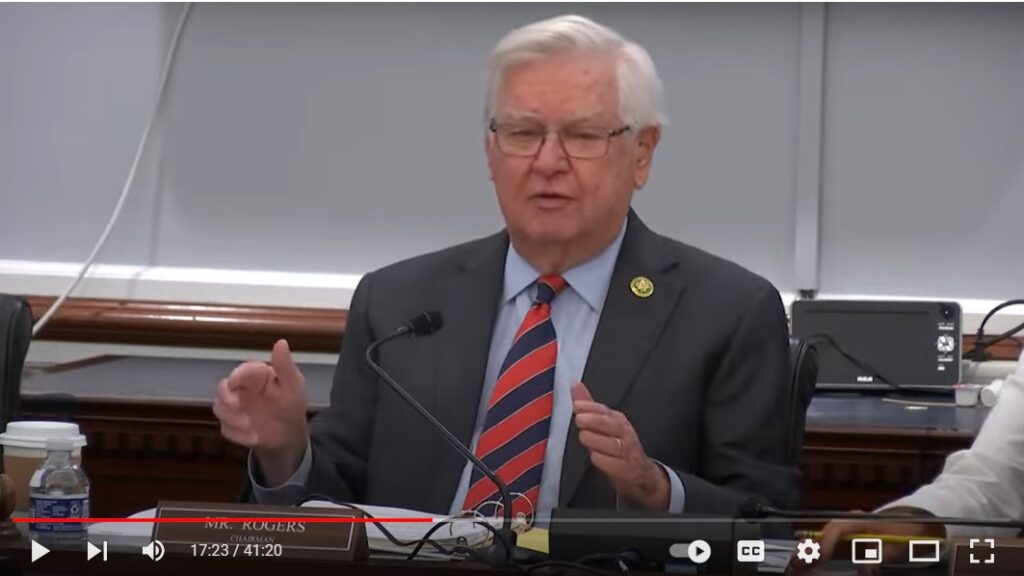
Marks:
<point>259,531</point>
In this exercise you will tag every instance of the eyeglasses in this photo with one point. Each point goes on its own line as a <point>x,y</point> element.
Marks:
<point>583,142</point>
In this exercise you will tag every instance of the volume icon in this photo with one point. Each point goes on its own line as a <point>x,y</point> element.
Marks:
<point>154,550</point>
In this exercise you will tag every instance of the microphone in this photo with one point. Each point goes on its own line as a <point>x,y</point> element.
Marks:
<point>425,324</point>
<point>751,509</point>
<point>422,324</point>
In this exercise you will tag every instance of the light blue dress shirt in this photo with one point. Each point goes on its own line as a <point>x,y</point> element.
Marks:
<point>575,313</point>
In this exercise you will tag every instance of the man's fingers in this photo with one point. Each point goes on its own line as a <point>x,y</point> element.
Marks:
<point>233,418</point>
<point>588,406</point>
<point>247,438</point>
<point>614,468</point>
<point>578,391</point>
<point>600,423</point>
<point>288,374</point>
<point>599,443</point>
<point>249,377</point>
<point>226,396</point>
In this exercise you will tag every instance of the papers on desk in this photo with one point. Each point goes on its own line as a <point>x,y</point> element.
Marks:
<point>461,532</point>
<point>126,530</point>
<point>776,556</point>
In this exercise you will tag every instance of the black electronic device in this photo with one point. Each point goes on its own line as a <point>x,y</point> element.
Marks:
<point>881,344</point>
<point>660,541</point>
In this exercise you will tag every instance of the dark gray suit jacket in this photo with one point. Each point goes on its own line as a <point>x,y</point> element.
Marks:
<point>700,368</point>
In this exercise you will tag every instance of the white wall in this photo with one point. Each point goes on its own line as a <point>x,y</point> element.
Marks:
<point>924,150</point>
<point>322,141</point>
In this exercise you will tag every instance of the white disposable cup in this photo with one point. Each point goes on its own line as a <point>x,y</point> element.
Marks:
<point>24,446</point>
<point>967,394</point>
<point>990,393</point>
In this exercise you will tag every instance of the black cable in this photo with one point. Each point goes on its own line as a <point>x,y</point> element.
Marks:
<point>623,560</point>
<point>380,526</point>
<point>850,357</point>
<point>977,352</point>
<point>496,534</point>
<point>426,539</point>
<point>1004,336</point>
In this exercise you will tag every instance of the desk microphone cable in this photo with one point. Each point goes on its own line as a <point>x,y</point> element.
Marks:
<point>622,562</point>
<point>853,359</point>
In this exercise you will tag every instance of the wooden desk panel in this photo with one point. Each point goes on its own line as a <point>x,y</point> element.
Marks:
<point>861,469</point>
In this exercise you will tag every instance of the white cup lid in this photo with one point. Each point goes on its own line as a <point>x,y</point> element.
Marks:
<point>34,434</point>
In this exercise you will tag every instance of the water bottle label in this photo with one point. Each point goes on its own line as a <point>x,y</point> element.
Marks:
<point>58,507</point>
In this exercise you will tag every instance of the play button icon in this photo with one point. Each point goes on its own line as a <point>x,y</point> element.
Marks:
<point>38,550</point>
<point>699,551</point>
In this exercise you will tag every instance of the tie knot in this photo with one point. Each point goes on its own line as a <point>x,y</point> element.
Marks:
<point>548,287</point>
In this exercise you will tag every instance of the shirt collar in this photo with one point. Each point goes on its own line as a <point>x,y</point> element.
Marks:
<point>590,279</point>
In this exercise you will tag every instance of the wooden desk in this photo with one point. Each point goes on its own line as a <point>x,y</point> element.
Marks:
<point>152,435</point>
<point>861,452</point>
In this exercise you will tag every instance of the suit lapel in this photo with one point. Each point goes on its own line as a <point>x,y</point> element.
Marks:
<point>470,306</point>
<point>627,332</point>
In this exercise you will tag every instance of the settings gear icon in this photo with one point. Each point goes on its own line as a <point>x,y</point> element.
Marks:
<point>808,551</point>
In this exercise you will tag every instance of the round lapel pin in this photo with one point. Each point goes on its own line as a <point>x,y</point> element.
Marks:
<point>641,286</point>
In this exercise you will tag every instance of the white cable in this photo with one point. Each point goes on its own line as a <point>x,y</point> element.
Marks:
<point>168,60</point>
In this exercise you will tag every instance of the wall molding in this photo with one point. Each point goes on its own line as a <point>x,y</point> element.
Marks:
<point>233,326</point>
<point>219,307</point>
<point>190,324</point>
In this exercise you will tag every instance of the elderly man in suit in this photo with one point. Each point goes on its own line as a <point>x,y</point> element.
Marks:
<point>590,361</point>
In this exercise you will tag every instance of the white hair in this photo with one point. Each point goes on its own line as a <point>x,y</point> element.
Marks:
<point>640,88</point>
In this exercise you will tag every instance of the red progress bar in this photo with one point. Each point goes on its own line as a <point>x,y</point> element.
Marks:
<point>292,519</point>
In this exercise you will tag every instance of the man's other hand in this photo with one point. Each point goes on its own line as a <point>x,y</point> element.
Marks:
<point>616,451</point>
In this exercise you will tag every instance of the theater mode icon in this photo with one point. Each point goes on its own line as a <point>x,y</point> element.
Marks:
<point>925,550</point>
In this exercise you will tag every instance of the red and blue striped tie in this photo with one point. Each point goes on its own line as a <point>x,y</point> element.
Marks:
<point>515,433</point>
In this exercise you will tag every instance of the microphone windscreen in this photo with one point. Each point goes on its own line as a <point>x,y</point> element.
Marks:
<point>426,323</point>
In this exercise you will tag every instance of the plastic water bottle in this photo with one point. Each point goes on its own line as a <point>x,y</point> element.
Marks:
<point>59,489</point>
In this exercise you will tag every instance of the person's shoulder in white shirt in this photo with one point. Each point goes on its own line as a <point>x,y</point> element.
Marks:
<point>986,480</point>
